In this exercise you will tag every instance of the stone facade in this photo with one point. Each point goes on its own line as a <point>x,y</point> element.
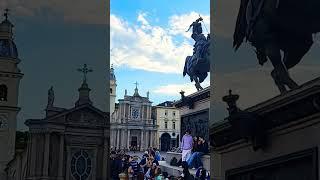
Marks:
<point>66,144</point>
<point>286,145</point>
<point>131,123</point>
<point>194,113</point>
<point>168,121</point>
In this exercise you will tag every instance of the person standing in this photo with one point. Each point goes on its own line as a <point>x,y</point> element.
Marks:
<point>116,166</point>
<point>186,145</point>
<point>133,169</point>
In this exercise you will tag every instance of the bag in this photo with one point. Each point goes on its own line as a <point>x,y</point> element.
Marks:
<point>174,162</point>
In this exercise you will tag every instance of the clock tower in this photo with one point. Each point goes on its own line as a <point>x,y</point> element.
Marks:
<point>10,76</point>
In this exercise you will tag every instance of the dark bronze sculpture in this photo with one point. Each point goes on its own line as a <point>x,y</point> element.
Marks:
<point>197,66</point>
<point>272,26</point>
<point>50,97</point>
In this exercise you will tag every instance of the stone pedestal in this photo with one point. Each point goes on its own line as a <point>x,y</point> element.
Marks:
<point>291,126</point>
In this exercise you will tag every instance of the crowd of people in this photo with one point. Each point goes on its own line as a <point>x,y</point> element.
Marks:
<point>147,167</point>
<point>134,167</point>
<point>193,148</point>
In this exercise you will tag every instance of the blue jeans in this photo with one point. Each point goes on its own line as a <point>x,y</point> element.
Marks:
<point>195,160</point>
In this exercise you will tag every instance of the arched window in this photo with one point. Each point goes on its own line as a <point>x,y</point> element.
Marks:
<point>81,165</point>
<point>3,92</point>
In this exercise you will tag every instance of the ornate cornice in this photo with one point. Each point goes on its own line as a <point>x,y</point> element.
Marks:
<point>278,111</point>
<point>191,99</point>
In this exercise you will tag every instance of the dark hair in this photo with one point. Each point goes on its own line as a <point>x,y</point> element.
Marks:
<point>188,131</point>
<point>185,169</point>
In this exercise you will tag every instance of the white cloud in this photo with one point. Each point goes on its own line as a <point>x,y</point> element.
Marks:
<point>142,19</point>
<point>140,45</point>
<point>174,89</point>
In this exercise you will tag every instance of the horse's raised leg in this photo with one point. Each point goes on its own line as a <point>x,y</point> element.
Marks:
<point>280,86</point>
<point>197,84</point>
<point>280,71</point>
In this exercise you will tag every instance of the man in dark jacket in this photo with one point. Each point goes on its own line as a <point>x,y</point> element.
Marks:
<point>116,166</point>
<point>202,148</point>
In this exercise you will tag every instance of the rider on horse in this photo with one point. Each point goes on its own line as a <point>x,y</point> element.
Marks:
<point>200,50</point>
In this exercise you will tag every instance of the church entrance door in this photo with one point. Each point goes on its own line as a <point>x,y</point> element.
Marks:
<point>165,142</point>
<point>134,142</point>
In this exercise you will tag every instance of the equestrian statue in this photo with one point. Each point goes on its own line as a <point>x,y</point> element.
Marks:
<point>197,66</point>
<point>280,31</point>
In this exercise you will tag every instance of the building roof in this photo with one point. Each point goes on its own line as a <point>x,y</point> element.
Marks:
<point>166,104</point>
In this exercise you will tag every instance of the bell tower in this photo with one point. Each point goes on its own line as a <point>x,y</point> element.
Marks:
<point>113,90</point>
<point>10,76</point>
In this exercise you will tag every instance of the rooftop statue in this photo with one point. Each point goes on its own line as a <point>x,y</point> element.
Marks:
<point>197,66</point>
<point>272,26</point>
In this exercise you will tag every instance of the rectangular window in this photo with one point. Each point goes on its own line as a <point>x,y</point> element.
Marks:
<point>174,113</point>
<point>166,125</point>
<point>173,125</point>
<point>166,113</point>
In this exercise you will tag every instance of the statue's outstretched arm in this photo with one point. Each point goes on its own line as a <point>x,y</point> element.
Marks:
<point>189,28</point>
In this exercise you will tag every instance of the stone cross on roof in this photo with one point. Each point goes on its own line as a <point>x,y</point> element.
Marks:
<point>6,13</point>
<point>136,83</point>
<point>85,70</point>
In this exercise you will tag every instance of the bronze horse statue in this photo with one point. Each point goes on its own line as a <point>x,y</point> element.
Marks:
<point>272,26</point>
<point>197,66</point>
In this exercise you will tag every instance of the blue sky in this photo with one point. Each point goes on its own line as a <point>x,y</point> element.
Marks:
<point>149,45</point>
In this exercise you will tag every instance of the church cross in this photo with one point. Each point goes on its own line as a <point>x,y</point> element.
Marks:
<point>85,70</point>
<point>136,84</point>
<point>6,13</point>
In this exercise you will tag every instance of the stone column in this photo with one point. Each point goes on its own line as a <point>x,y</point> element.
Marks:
<point>129,111</point>
<point>118,138</point>
<point>33,154</point>
<point>105,169</point>
<point>18,172</point>
<point>151,138</point>
<point>141,141</point>
<point>147,138</point>
<point>68,163</point>
<point>128,140</point>
<point>94,163</point>
<point>46,155</point>
<point>122,143</point>
<point>61,156</point>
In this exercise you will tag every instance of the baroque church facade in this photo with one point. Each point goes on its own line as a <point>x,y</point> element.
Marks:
<point>66,144</point>
<point>132,125</point>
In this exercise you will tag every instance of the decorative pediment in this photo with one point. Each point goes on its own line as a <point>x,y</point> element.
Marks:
<point>85,116</point>
<point>81,115</point>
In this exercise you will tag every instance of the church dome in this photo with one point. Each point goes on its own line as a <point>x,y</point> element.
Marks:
<point>7,46</point>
